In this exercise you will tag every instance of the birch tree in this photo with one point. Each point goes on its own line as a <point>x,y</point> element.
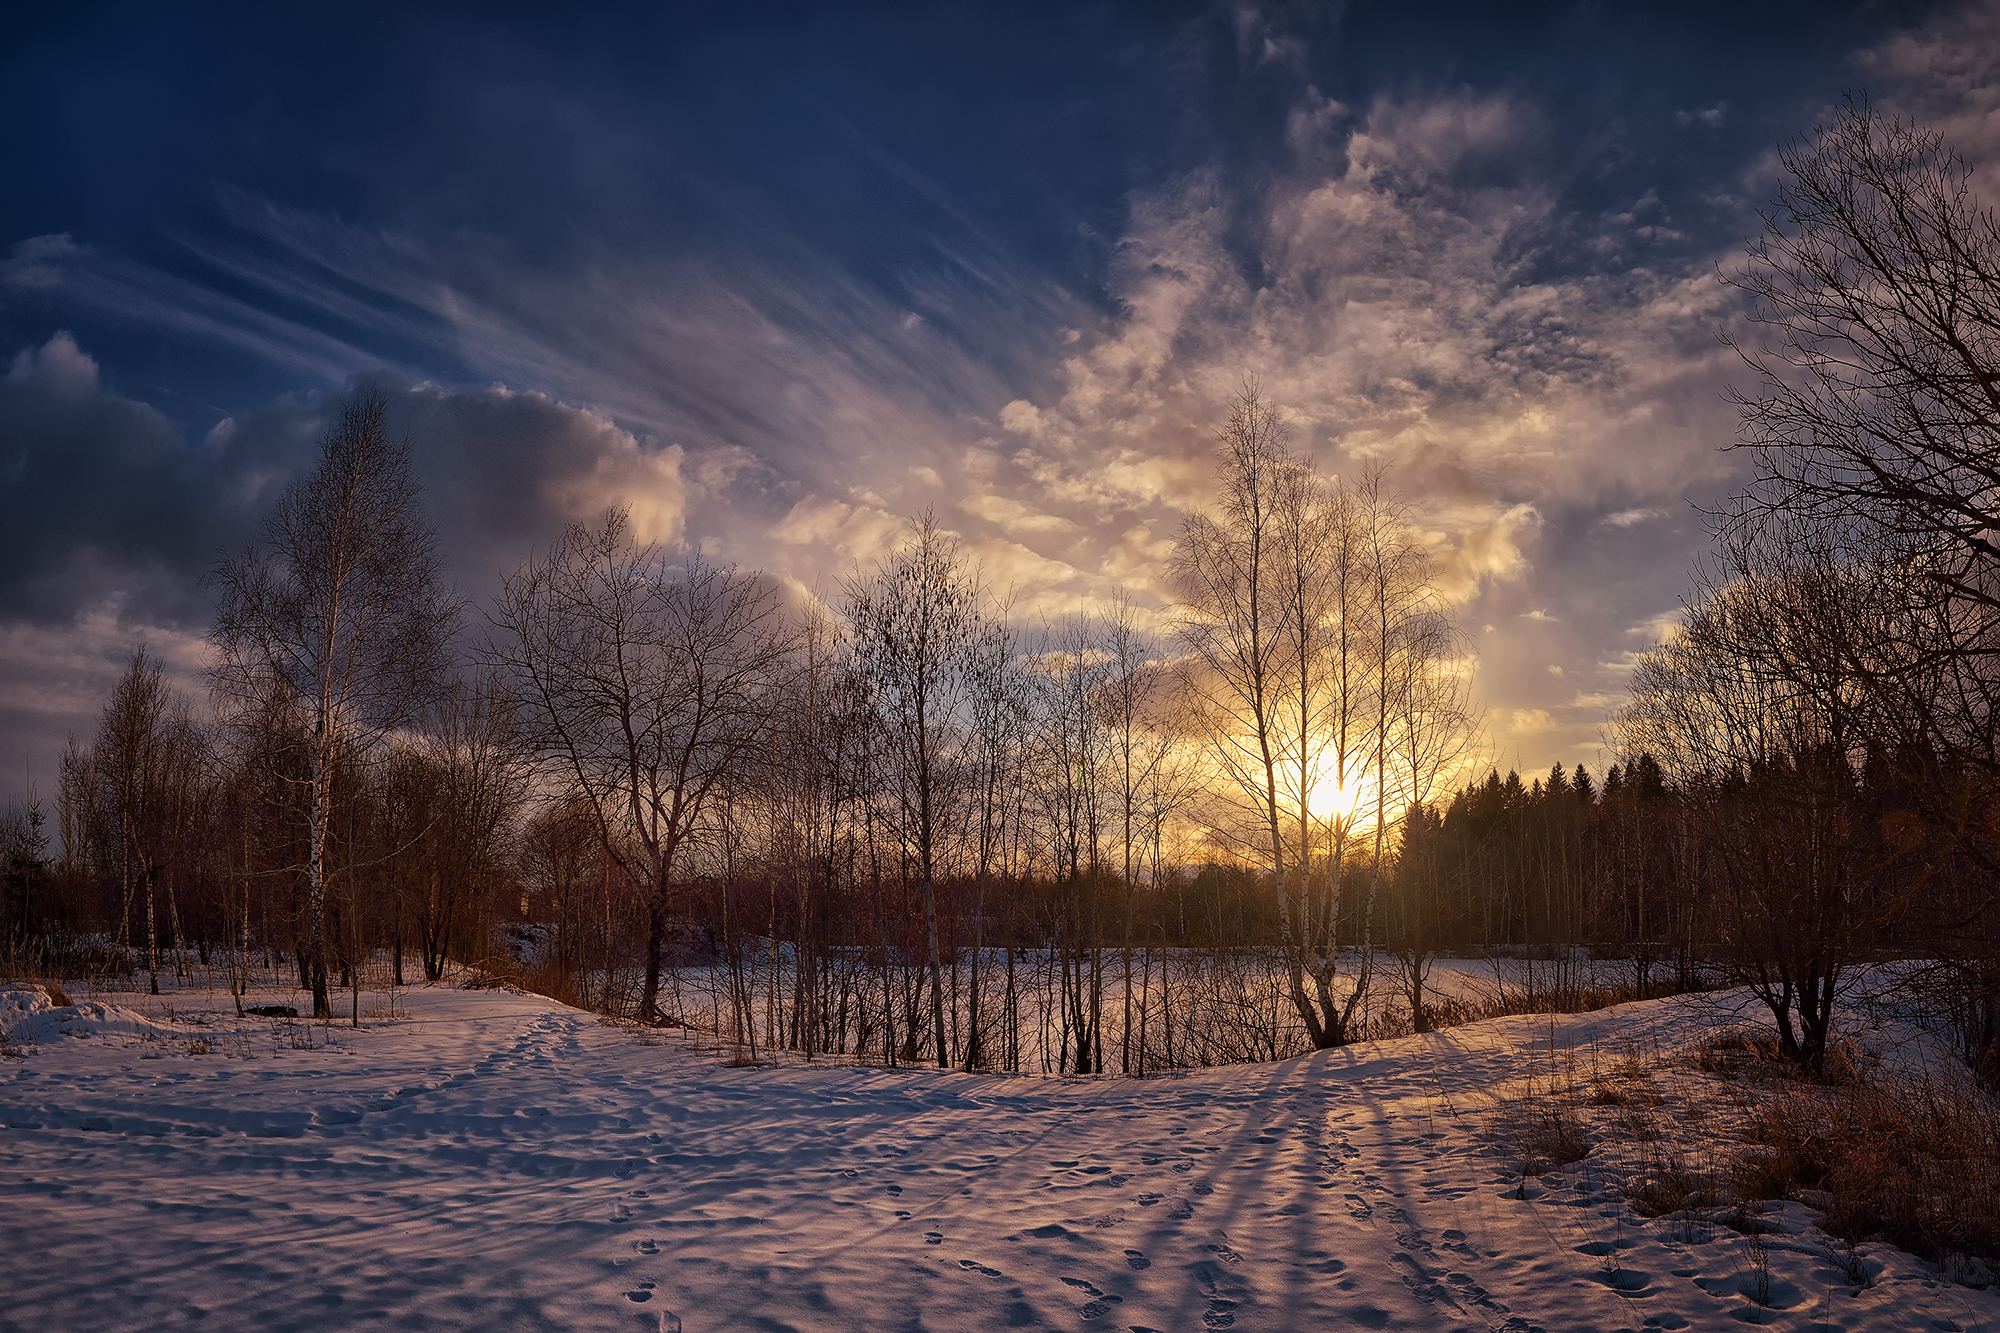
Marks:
<point>338,613</point>
<point>915,622</point>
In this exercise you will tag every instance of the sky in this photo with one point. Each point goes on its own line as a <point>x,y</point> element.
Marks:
<point>778,278</point>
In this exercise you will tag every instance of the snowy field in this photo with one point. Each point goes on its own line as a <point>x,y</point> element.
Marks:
<point>491,1160</point>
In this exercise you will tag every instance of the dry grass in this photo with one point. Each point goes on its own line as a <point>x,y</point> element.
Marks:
<point>1548,1140</point>
<point>1748,1054</point>
<point>1672,1185</point>
<point>64,958</point>
<point>1914,1161</point>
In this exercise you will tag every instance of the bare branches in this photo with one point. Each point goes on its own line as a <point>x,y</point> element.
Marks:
<point>1316,670</point>
<point>339,616</point>
<point>643,686</point>
<point>1878,398</point>
<point>916,628</point>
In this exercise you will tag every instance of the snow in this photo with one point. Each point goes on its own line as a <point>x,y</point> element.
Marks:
<point>494,1160</point>
<point>29,1018</point>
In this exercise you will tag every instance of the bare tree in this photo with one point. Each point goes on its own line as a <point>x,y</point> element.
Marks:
<point>339,614</point>
<point>643,684</point>
<point>471,767</point>
<point>1073,775</point>
<point>1879,400</point>
<point>1414,702</point>
<point>144,784</point>
<point>1272,614</point>
<point>1757,713</point>
<point>1875,422</point>
<point>914,622</point>
<point>997,697</point>
<point>1228,570</point>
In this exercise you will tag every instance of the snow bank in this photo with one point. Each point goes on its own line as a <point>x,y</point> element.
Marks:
<point>29,1018</point>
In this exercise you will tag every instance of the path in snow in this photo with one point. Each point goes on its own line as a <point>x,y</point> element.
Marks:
<point>498,1161</point>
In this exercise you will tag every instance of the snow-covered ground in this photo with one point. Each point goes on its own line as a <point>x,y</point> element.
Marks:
<point>494,1160</point>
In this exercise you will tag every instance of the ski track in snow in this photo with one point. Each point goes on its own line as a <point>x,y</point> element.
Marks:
<point>501,1162</point>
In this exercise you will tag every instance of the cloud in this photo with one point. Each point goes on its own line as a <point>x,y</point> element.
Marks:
<point>36,264</point>
<point>58,675</point>
<point>1011,515</point>
<point>1527,721</point>
<point>1411,277</point>
<point>859,533</point>
<point>1661,628</point>
<point>1945,74</point>
<point>109,517</point>
<point>100,499</point>
<point>1402,297</point>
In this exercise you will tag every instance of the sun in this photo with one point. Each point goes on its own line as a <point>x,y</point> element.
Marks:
<point>1335,802</point>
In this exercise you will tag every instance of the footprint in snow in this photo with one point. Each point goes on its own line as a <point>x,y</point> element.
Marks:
<point>640,1294</point>
<point>620,1213</point>
<point>1137,1259</point>
<point>1183,1167</point>
<point>1219,1314</point>
<point>1147,1200</point>
<point>974,1266</point>
<point>1180,1211</point>
<point>1201,1187</point>
<point>933,1238</point>
<point>648,1246</point>
<point>1100,1302</point>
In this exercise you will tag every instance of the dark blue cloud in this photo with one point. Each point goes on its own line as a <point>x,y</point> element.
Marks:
<point>874,136</point>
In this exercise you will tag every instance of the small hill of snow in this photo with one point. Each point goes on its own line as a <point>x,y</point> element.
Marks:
<point>28,1017</point>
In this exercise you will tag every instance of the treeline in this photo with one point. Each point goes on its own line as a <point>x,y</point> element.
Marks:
<point>1560,869</point>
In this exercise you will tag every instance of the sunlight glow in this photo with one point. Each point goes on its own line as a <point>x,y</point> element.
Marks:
<point>1330,801</point>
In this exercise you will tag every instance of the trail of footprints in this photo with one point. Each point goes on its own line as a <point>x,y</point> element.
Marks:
<point>1426,1268</point>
